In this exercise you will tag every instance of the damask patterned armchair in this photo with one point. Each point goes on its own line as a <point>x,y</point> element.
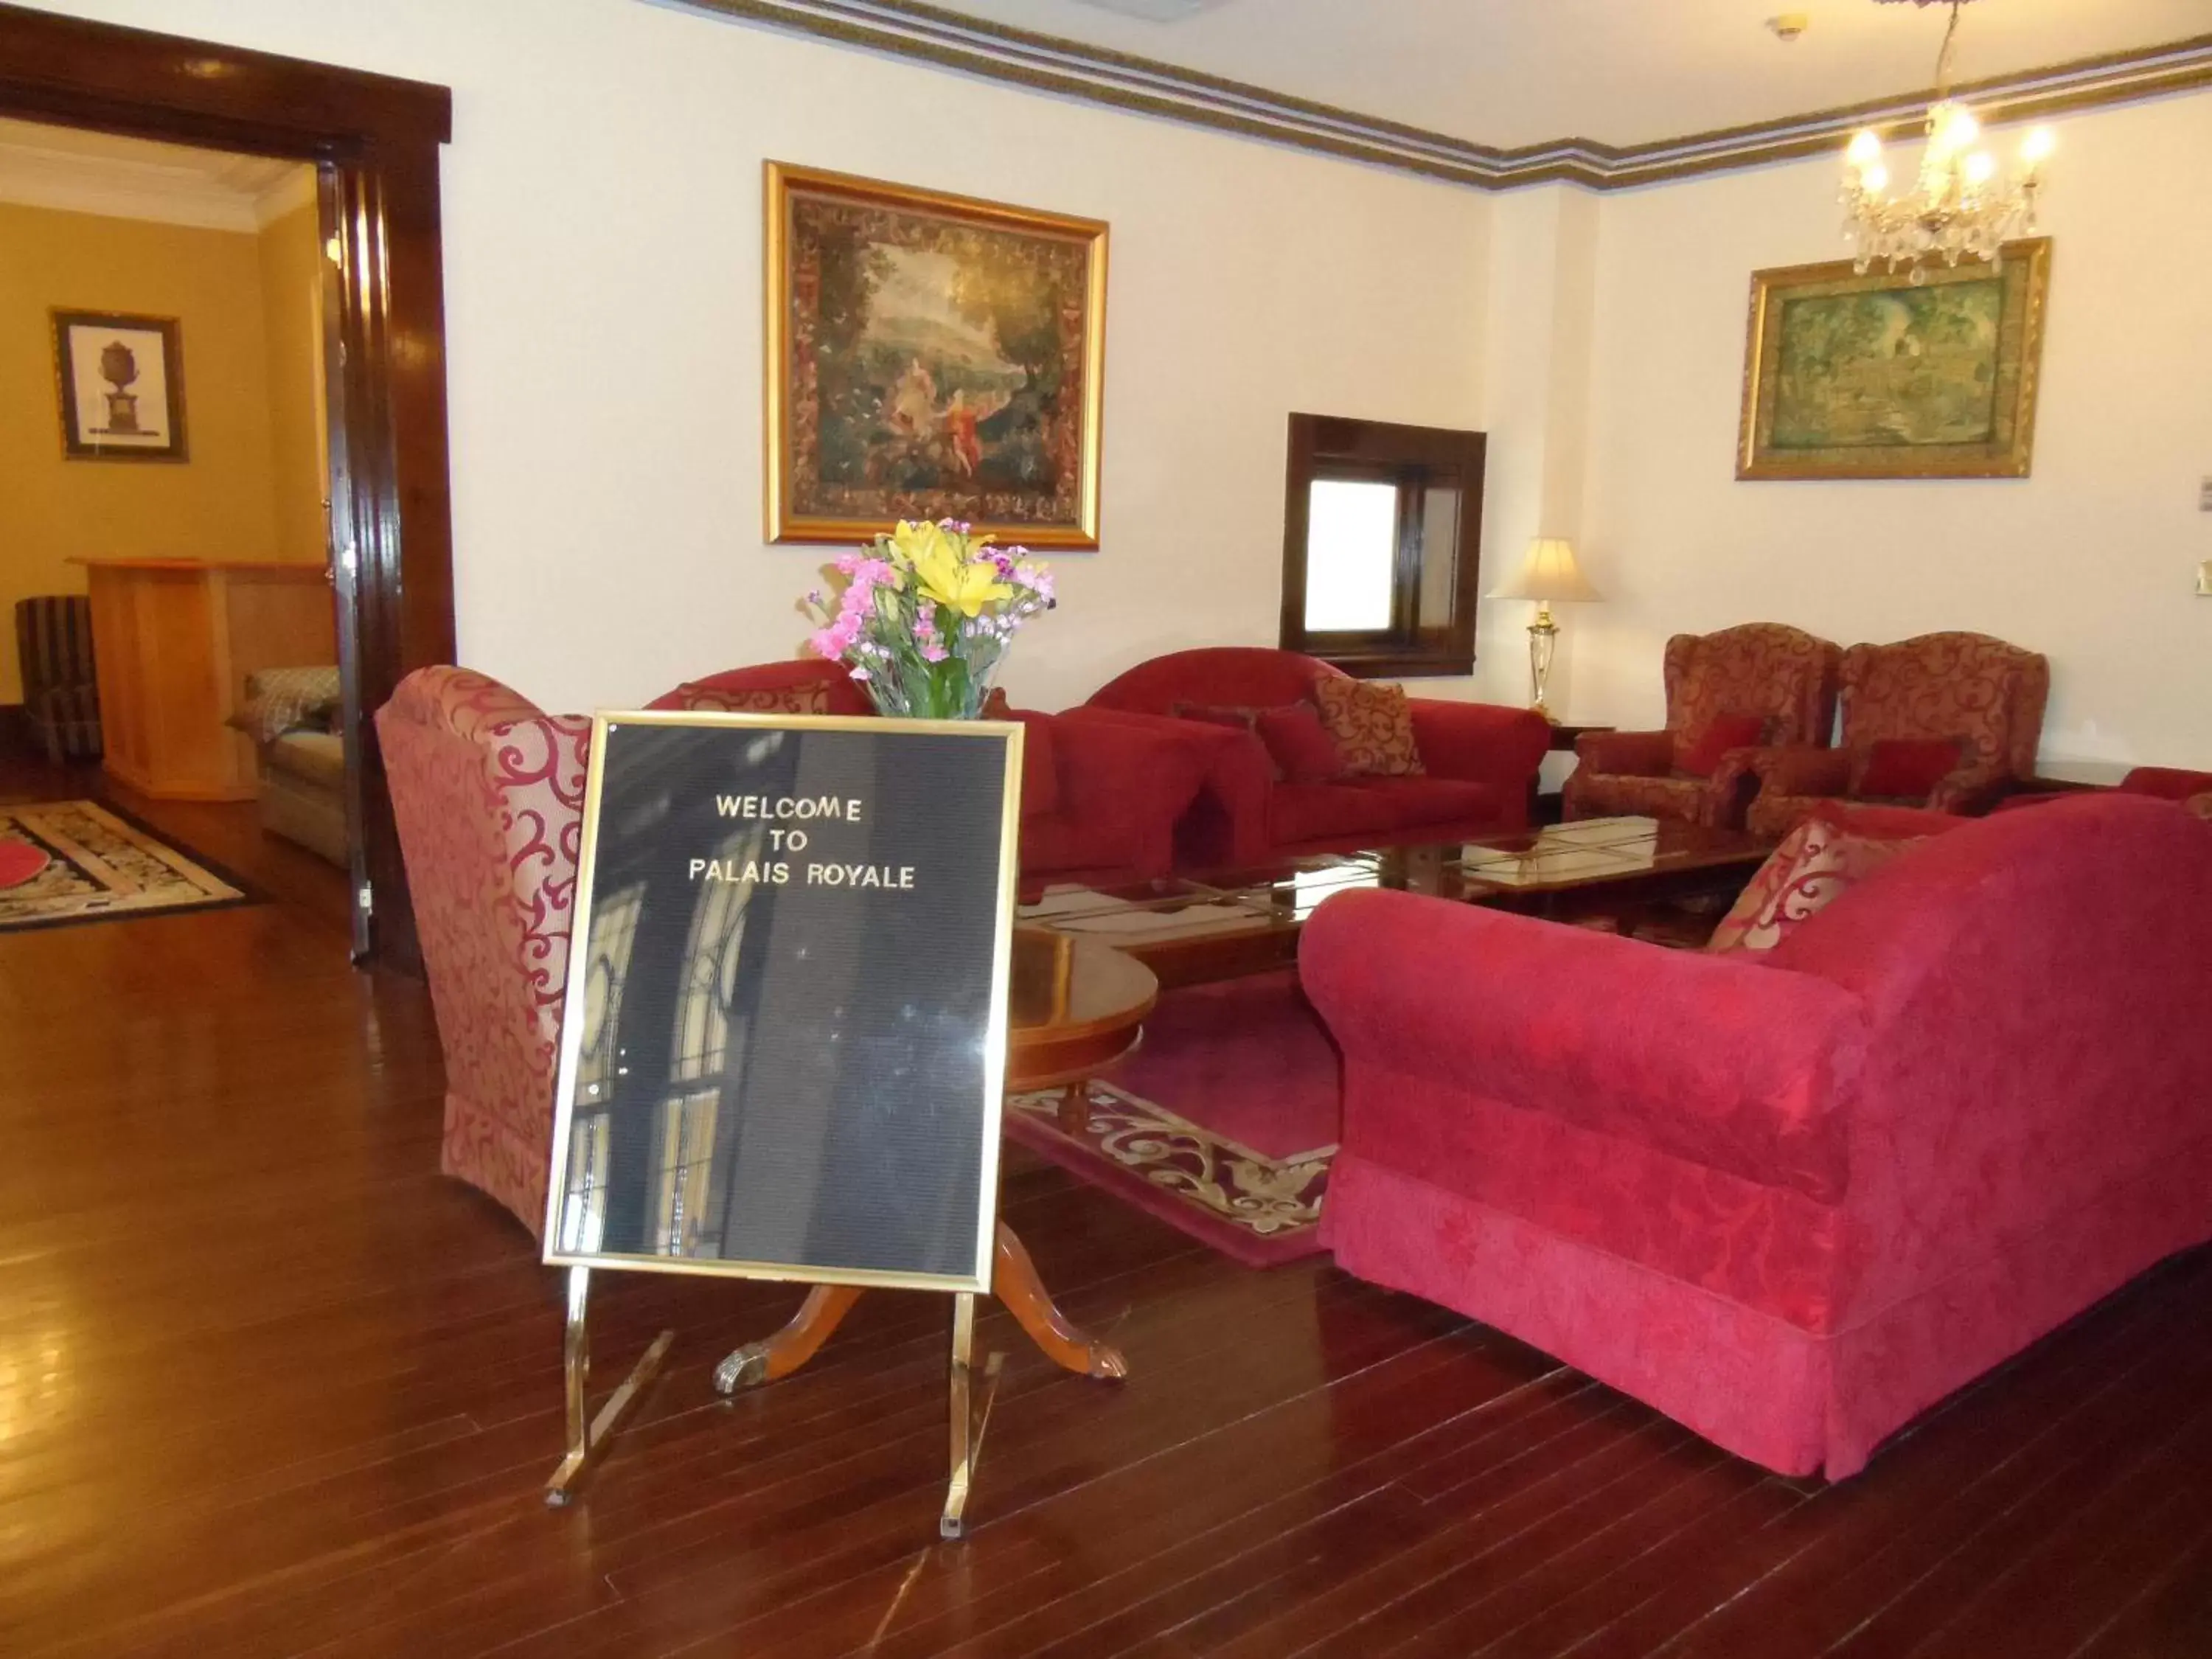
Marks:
<point>1947,721</point>
<point>488,793</point>
<point>1727,694</point>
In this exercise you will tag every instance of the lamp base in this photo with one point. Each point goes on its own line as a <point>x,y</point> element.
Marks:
<point>1543,641</point>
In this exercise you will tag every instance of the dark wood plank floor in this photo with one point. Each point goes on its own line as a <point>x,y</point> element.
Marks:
<point>270,1386</point>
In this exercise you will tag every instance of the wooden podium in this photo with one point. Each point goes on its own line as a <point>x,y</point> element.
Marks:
<point>175,639</point>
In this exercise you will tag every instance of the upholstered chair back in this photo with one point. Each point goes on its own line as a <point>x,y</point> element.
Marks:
<point>489,790</point>
<point>1981,691</point>
<point>1246,675</point>
<point>801,685</point>
<point>1758,668</point>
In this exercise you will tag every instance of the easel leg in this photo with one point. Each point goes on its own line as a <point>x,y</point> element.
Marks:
<point>778,1356</point>
<point>969,1421</point>
<point>586,1436</point>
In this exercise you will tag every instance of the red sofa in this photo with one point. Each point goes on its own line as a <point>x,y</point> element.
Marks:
<point>1790,1202</point>
<point>1100,801</point>
<point>1480,761</point>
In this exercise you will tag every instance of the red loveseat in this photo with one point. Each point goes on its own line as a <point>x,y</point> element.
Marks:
<point>1480,760</point>
<point>1791,1202</point>
<point>1099,801</point>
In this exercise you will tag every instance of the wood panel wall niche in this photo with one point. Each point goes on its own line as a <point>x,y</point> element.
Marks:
<point>374,140</point>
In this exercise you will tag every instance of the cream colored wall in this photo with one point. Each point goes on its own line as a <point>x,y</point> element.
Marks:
<point>291,253</point>
<point>215,504</point>
<point>602,208</point>
<point>2091,560</point>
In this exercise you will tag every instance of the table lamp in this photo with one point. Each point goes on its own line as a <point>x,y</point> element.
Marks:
<point>1548,574</point>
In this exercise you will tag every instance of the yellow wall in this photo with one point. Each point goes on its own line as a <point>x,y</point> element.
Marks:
<point>222,501</point>
<point>291,276</point>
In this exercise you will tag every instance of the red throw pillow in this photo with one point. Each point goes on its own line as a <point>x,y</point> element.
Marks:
<point>1301,746</point>
<point>1904,769</point>
<point>1698,753</point>
<point>1817,863</point>
<point>698,698</point>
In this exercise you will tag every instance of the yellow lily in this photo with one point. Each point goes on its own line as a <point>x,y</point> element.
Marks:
<point>944,574</point>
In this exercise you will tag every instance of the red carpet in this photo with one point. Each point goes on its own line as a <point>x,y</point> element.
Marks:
<point>1223,1123</point>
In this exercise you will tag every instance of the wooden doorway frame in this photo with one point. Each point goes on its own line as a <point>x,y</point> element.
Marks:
<point>374,141</point>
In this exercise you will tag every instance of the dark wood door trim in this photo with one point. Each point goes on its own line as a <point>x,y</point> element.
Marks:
<point>377,138</point>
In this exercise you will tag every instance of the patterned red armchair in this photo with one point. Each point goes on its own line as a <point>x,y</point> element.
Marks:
<point>489,793</point>
<point>1974,702</point>
<point>1782,678</point>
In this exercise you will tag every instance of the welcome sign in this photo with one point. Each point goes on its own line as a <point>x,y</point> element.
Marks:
<point>785,1035</point>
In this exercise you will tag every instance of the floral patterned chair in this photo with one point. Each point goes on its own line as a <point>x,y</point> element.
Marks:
<point>1774,682</point>
<point>488,793</point>
<point>1975,703</point>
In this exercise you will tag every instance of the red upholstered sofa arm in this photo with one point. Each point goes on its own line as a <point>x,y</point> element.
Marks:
<point>1129,776</point>
<point>2167,782</point>
<point>1481,742</point>
<point>1727,1063</point>
<point>1227,824</point>
<point>1802,770</point>
<point>1626,754</point>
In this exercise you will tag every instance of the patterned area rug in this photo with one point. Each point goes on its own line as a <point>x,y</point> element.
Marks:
<point>1223,1124</point>
<point>79,862</point>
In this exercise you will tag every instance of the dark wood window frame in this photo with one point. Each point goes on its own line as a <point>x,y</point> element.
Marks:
<point>375,141</point>
<point>1323,447</point>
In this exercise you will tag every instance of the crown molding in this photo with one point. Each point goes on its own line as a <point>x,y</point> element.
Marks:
<point>153,191</point>
<point>1044,63</point>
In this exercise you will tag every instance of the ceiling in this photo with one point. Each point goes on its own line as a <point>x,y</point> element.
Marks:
<point>1516,72</point>
<point>83,172</point>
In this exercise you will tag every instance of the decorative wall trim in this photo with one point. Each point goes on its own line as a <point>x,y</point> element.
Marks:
<point>154,191</point>
<point>1045,62</point>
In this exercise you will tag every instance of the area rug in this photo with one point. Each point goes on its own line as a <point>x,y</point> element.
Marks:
<point>75,860</point>
<point>1224,1123</point>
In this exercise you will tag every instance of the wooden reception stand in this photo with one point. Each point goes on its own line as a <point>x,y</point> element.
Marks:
<point>175,639</point>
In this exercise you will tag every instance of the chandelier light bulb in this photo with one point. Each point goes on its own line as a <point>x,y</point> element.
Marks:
<point>1866,149</point>
<point>1980,168</point>
<point>2036,148</point>
<point>1875,180</point>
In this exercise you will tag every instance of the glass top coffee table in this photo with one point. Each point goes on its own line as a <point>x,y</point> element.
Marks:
<point>1227,923</point>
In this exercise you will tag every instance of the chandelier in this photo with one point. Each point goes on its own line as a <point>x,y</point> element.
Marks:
<point>1960,205</point>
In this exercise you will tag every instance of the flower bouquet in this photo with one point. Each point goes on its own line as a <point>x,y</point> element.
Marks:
<point>923,617</point>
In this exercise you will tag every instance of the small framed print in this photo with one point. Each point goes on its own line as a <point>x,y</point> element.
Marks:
<point>122,386</point>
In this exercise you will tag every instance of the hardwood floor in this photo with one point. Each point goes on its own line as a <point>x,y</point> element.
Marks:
<point>268,1385</point>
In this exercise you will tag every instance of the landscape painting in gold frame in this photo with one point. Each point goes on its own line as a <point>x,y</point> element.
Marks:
<point>1882,376</point>
<point>930,356</point>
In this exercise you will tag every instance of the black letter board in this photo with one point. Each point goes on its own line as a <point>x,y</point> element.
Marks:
<point>786,1027</point>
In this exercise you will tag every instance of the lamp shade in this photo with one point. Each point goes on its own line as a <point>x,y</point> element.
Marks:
<point>1548,574</point>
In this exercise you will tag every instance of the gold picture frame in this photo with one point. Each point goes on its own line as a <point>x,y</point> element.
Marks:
<point>1882,376</point>
<point>995,416</point>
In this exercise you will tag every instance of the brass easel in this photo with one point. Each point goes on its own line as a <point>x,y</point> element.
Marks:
<point>586,1436</point>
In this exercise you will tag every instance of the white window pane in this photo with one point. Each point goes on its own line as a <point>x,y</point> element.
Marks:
<point>1351,549</point>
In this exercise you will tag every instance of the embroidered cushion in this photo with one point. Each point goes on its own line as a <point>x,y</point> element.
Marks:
<point>1300,745</point>
<point>1698,753</point>
<point>1817,863</point>
<point>1904,769</point>
<point>752,700</point>
<point>1373,726</point>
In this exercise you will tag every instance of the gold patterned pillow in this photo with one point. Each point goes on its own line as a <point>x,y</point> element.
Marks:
<point>754,700</point>
<point>1373,726</point>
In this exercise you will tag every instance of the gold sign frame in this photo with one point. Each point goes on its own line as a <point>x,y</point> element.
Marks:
<point>782,182</point>
<point>2016,368</point>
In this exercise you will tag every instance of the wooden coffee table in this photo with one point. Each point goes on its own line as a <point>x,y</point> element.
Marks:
<point>1230,923</point>
<point>1073,1008</point>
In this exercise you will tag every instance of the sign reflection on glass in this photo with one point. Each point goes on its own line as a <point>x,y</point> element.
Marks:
<point>786,1028</point>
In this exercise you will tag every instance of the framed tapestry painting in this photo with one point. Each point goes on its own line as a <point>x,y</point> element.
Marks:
<point>930,357</point>
<point>1882,376</point>
<point>121,383</point>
